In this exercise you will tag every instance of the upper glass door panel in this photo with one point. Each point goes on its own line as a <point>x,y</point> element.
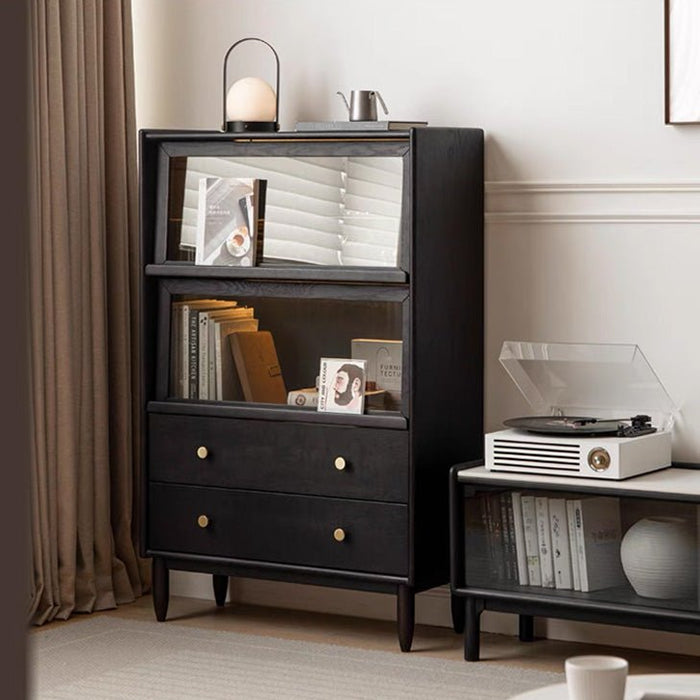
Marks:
<point>322,210</point>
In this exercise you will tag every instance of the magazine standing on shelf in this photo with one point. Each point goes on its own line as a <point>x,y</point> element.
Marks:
<point>341,385</point>
<point>229,221</point>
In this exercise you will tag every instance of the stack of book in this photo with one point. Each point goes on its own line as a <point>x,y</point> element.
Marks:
<point>537,540</point>
<point>218,354</point>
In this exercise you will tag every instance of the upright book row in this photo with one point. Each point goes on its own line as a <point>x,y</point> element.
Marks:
<point>535,540</point>
<point>218,353</point>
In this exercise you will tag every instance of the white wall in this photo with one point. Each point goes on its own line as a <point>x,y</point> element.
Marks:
<point>593,204</point>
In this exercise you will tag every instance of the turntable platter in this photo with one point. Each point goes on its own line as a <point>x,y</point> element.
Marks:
<point>565,425</point>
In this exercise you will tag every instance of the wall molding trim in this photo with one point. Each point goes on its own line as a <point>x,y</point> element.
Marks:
<point>531,202</point>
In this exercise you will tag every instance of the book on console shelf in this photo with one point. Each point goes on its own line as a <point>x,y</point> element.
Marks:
<point>561,552</point>
<point>565,548</point>
<point>544,541</point>
<point>519,537</point>
<point>573,548</point>
<point>598,537</point>
<point>532,551</point>
<point>498,529</point>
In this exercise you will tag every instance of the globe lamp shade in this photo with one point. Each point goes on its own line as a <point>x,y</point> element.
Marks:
<point>251,104</point>
<point>251,100</point>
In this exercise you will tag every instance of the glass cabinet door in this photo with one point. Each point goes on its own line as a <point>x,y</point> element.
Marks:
<point>238,347</point>
<point>277,209</point>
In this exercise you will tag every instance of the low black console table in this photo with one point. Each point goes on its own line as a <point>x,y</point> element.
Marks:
<point>477,585</point>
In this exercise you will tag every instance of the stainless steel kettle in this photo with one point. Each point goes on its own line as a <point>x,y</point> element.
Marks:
<point>363,105</point>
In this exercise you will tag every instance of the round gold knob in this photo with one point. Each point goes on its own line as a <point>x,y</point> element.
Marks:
<point>339,534</point>
<point>203,521</point>
<point>599,459</point>
<point>202,452</point>
<point>339,463</point>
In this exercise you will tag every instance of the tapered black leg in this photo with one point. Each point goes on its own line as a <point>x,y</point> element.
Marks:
<point>405,614</point>
<point>458,611</point>
<point>526,625</point>
<point>160,581</point>
<point>471,630</point>
<point>220,588</point>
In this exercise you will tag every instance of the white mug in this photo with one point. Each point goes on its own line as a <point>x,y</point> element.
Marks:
<point>596,677</point>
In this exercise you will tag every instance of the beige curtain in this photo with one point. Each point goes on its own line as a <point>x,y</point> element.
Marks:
<point>83,248</point>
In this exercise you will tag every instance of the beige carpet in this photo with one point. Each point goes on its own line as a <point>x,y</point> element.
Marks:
<point>103,657</point>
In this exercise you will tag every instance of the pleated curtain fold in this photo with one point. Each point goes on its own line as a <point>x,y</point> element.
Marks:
<point>82,318</point>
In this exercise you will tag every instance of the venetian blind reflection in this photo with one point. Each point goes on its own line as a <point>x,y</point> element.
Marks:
<point>319,210</point>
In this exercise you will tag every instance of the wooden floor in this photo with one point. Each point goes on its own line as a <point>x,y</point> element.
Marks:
<point>381,635</point>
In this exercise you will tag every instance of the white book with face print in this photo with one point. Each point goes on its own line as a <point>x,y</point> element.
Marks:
<point>341,385</point>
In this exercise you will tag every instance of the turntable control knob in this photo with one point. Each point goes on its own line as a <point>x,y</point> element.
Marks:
<point>599,459</point>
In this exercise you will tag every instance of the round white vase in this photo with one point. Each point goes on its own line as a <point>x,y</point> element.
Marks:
<point>659,557</point>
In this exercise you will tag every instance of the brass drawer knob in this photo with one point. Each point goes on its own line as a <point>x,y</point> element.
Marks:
<point>340,463</point>
<point>339,534</point>
<point>203,521</point>
<point>202,452</point>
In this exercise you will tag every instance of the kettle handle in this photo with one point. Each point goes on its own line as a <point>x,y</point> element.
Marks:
<point>386,111</point>
<point>347,106</point>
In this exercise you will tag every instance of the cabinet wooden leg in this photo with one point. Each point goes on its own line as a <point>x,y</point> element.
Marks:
<point>526,628</point>
<point>458,612</point>
<point>220,588</point>
<point>405,614</point>
<point>473,607</point>
<point>160,582</point>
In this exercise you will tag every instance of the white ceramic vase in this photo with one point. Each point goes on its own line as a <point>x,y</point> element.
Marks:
<point>659,557</point>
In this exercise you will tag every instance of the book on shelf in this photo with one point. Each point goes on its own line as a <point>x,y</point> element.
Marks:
<point>227,385</point>
<point>571,523</point>
<point>258,366</point>
<point>309,397</point>
<point>303,397</point>
<point>534,571</point>
<point>207,344</point>
<point>544,541</point>
<point>230,219</point>
<point>561,552</point>
<point>199,344</point>
<point>384,125</point>
<point>598,537</point>
<point>519,536</point>
<point>384,360</point>
<point>184,331</point>
<point>341,385</point>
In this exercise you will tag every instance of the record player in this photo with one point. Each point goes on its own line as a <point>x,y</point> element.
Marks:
<point>600,412</point>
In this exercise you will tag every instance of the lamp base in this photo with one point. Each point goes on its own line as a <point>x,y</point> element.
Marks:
<point>238,127</point>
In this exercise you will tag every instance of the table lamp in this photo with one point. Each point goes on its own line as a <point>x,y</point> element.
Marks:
<point>251,104</point>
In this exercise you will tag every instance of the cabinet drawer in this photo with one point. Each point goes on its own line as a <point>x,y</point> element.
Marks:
<point>283,528</point>
<point>289,457</point>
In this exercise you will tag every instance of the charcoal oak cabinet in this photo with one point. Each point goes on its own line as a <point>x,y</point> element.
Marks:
<point>480,581</point>
<point>362,235</point>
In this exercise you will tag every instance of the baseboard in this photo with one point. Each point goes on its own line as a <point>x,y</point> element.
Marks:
<point>432,608</point>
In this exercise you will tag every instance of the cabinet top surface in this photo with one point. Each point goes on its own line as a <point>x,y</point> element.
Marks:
<point>670,481</point>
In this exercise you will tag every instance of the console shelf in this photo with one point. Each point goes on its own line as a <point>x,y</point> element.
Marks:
<point>477,585</point>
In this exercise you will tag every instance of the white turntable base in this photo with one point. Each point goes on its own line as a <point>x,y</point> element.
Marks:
<point>677,686</point>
